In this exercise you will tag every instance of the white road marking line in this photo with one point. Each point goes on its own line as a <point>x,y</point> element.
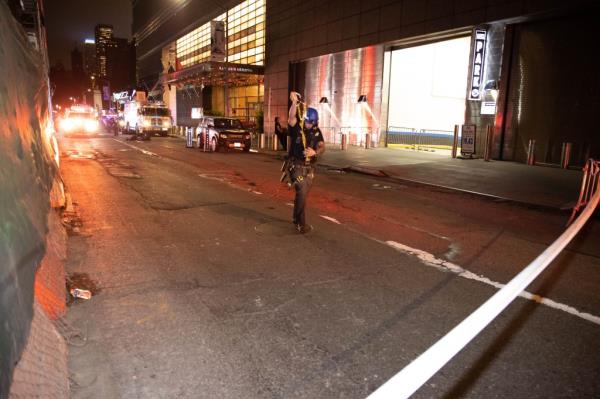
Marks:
<point>209,177</point>
<point>228,182</point>
<point>334,220</point>
<point>252,150</point>
<point>289,204</point>
<point>440,264</point>
<point>138,148</point>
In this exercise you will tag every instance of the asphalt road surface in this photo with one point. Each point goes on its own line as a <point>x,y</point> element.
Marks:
<point>204,290</point>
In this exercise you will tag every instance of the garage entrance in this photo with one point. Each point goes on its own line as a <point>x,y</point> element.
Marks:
<point>428,86</point>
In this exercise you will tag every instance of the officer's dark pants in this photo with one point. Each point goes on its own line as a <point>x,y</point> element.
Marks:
<point>303,178</point>
<point>282,140</point>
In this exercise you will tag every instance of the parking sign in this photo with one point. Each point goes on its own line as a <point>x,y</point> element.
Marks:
<point>467,141</point>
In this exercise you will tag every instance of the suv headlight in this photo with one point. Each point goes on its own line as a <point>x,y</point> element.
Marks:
<point>247,137</point>
<point>223,136</point>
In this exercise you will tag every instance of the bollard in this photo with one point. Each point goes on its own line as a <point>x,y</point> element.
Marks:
<point>487,153</point>
<point>275,143</point>
<point>367,140</point>
<point>565,156</point>
<point>455,142</point>
<point>198,137</point>
<point>531,153</point>
<point>261,144</point>
<point>344,141</point>
<point>189,138</point>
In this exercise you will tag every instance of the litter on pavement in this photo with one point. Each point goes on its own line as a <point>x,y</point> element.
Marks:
<point>79,293</point>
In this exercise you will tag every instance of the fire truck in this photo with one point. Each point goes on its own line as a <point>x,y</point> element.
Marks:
<point>145,118</point>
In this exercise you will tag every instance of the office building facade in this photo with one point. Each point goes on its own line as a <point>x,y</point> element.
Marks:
<point>387,73</point>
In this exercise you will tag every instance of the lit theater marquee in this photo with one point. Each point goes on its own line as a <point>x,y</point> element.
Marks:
<point>478,62</point>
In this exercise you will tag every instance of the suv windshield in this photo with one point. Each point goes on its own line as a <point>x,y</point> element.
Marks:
<point>155,111</point>
<point>227,123</point>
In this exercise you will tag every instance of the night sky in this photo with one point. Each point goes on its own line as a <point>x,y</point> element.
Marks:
<point>69,22</point>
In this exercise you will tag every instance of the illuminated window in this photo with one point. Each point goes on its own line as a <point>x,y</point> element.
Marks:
<point>245,37</point>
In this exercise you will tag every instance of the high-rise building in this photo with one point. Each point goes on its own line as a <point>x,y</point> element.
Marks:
<point>120,64</point>
<point>76,61</point>
<point>113,60</point>
<point>104,36</point>
<point>77,71</point>
<point>89,57</point>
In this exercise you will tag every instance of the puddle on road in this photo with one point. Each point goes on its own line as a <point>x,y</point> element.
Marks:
<point>79,155</point>
<point>117,168</point>
<point>119,172</point>
<point>377,186</point>
<point>380,187</point>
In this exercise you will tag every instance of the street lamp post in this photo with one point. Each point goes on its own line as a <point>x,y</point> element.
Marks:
<point>226,63</point>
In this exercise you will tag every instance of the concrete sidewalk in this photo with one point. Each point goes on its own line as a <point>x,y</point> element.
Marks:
<point>543,186</point>
<point>535,185</point>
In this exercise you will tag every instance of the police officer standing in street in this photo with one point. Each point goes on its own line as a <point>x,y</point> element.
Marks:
<point>306,144</point>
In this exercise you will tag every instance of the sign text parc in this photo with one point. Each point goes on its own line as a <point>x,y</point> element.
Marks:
<point>478,62</point>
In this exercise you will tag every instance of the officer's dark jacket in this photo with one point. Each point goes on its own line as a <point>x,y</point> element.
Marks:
<point>313,138</point>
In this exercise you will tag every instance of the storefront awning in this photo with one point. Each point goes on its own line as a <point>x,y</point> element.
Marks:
<point>216,74</point>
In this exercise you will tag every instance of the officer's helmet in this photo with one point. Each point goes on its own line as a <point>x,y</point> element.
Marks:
<point>312,116</point>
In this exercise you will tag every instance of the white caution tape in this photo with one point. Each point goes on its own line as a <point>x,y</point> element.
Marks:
<point>413,376</point>
<point>441,264</point>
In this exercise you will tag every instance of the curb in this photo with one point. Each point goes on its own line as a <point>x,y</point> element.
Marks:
<point>366,171</point>
<point>382,174</point>
<point>374,172</point>
<point>490,197</point>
